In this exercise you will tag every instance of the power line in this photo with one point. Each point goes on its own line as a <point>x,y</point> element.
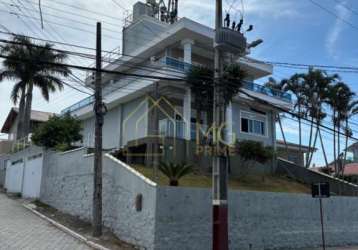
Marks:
<point>93,69</point>
<point>69,13</point>
<point>57,42</point>
<point>332,13</point>
<point>119,5</point>
<point>344,5</point>
<point>53,15</point>
<point>84,9</point>
<point>60,24</point>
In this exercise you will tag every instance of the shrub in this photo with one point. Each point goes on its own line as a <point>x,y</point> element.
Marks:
<point>59,132</point>
<point>251,152</point>
<point>175,171</point>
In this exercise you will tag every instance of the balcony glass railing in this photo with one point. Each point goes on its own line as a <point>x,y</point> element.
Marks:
<point>81,104</point>
<point>169,128</point>
<point>182,66</point>
<point>267,91</point>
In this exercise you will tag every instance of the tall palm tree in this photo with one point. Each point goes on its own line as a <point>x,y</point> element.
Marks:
<point>316,91</point>
<point>295,85</point>
<point>32,65</point>
<point>201,82</point>
<point>346,107</point>
<point>338,99</point>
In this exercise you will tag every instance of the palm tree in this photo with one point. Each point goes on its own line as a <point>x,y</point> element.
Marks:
<point>316,85</point>
<point>201,82</point>
<point>346,107</point>
<point>31,65</point>
<point>339,100</point>
<point>295,85</point>
<point>175,172</point>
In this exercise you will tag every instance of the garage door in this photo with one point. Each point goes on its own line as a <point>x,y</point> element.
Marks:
<point>32,177</point>
<point>13,179</point>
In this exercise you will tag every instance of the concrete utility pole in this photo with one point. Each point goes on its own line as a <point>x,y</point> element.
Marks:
<point>220,174</point>
<point>98,110</point>
<point>156,133</point>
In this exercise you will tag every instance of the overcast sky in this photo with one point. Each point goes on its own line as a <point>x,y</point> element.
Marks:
<point>293,31</point>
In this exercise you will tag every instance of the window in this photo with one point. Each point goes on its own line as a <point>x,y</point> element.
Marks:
<point>253,124</point>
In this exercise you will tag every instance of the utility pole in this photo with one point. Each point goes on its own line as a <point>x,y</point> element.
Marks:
<point>156,132</point>
<point>98,110</point>
<point>220,168</point>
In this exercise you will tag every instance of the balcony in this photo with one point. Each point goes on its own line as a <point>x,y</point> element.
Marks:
<point>169,128</point>
<point>185,67</point>
<point>267,91</point>
<point>79,105</point>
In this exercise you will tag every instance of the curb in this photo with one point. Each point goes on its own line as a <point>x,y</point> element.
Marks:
<point>67,230</point>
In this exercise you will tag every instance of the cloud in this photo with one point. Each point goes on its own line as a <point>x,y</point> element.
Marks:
<point>335,33</point>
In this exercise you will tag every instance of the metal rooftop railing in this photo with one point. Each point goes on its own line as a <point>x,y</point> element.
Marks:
<point>185,67</point>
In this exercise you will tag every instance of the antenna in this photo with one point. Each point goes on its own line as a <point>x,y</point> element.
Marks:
<point>165,13</point>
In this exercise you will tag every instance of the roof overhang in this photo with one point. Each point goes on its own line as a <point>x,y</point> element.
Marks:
<point>9,121</point>
<point>183,29</point>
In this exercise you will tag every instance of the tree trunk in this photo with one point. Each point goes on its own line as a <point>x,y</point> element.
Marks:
<point>198,124</point>
<point>339,148</point>
<point>345,150</point>
<point>27,115</point>
<point>309,144</point>
<point>283,134</point>
<point>323,149</point>
<point>313,147</point>
<point>173,183</point>
<point>20,121</point>
<point>334,143</point>
<point>300,130</point>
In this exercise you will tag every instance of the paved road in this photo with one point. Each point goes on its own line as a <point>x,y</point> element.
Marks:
<point>20,229</point>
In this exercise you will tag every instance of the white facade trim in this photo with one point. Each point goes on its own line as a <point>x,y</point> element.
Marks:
<point>145,179</point>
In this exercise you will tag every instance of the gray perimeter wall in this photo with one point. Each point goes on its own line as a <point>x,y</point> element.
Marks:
<point>3,159</point>
<point>258,220</point>
<point>67,184</point>
<point>308,176</point>
<point>181,218</point>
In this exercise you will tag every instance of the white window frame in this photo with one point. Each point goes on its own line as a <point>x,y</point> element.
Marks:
<point>251,116</point>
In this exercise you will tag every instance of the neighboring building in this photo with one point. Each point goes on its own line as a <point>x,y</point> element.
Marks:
<point>292,152</point>
<point>352,152</point>
<point>10,127</point>
<point>10,124</point>
<point>157,49</point>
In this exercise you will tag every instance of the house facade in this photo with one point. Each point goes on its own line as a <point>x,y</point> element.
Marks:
<point>160,51</point>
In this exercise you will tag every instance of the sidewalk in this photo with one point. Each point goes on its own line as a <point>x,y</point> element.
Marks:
<point>21,229</point>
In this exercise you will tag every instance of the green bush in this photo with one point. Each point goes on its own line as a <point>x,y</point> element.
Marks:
<point>59,133</point>
<point>254,151</point>
<point>175,171</point>
<point>251,152</point>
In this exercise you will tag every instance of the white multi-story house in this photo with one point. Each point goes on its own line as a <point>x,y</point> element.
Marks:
<point>158,49</point>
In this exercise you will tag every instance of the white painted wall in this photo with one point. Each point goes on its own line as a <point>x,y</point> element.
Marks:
<point>13,179</point>
<point>32,178</point>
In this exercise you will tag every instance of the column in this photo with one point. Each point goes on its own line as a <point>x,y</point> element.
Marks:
<point>229,127</point>
<point>187,113</point>
<point>187,48</point>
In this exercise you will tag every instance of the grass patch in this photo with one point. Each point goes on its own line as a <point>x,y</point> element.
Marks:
<point>265,183</point>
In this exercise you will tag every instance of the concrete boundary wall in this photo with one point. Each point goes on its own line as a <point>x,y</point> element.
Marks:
<point>181,218</point>
<point>308,176</point>
<point>67,185</point>
<point>257,220</point>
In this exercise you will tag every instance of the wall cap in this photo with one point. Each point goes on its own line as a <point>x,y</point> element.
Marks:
<point>147,180</point>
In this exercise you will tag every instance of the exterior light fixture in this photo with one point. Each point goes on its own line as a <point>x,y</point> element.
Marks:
<point>255,43</point>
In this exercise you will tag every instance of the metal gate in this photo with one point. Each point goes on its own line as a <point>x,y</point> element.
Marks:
<point>32,177</point>
<point>14,175</point>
